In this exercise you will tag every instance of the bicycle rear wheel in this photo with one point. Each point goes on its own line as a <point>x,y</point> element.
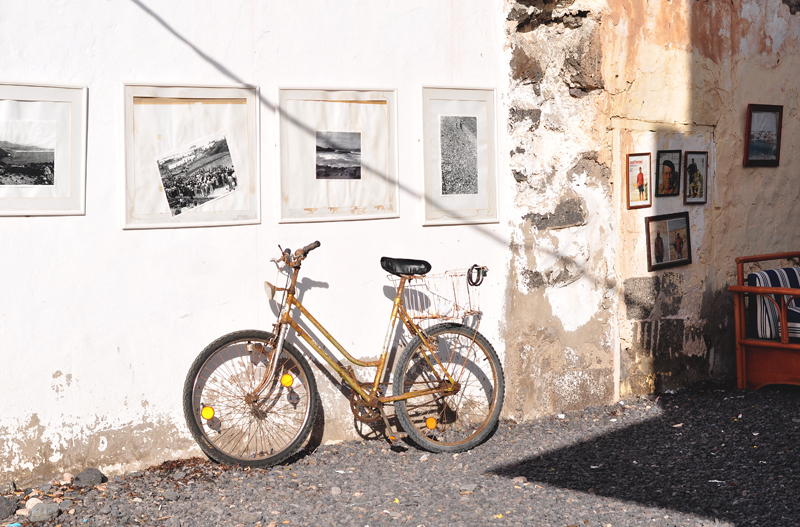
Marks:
<point>230,421</point>
<point>449,422</point>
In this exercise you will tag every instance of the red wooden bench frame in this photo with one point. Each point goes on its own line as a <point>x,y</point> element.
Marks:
<point>760,362</point>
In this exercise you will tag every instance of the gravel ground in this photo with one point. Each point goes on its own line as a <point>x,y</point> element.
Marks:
<point>699,457</point>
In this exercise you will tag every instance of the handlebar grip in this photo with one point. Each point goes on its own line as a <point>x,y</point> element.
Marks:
<point>310,247</point>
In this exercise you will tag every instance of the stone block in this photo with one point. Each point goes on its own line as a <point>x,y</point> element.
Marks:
<point>672,290</point>
<point>670,338</point>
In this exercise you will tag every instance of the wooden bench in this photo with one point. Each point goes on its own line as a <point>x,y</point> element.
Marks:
<point>776,358</point>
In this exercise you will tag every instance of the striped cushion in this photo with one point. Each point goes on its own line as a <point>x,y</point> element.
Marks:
<point>763,321</point>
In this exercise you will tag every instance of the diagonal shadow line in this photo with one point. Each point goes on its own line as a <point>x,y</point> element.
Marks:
<point>275,108</point>
<point>696,457</point>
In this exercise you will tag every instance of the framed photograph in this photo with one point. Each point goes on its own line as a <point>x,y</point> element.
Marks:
<point>762,140</point>
<point>338,155</point>
<point>460,159</point>
<point>668,243</point>
<point>695,182</point>
<point>637,179</point>
<point>191,156</point>
<point>42,150</point>
<point>668,173</point>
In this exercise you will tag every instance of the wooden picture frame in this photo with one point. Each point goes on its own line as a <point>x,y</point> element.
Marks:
<point>639,189</point>
<point>762,139</point>
<point>695,178</point>
<point>668,173</point>
<point>668,241</point>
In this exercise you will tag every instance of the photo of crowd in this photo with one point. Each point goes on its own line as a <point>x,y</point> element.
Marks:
<point>197,175</point>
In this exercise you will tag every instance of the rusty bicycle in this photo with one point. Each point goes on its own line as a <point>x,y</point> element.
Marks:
<point>250,397</point>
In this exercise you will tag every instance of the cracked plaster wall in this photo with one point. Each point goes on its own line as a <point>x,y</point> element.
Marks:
<point>591,82</point>
<point>681,74</point>
<point>562,286</point>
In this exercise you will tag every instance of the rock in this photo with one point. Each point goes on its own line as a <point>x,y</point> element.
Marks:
<point>519,479</point>
<point>173,522</point>
<point>7,507</point>
<point>65,505</point>
<point>32,502</point>
<point>178,474</point>
<point>23,512</point>
<point>170,495</point>
<point>336,491</point>
<point>43,512</point>
<point>469,488</point>
<point>67,478</point>
<point>45,489</point>
<point>7,487</point>
<point>89,478</point>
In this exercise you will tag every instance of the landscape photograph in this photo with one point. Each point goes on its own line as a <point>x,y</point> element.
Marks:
<point>459,148</point>
<point>338,155</point>
<point>197,174</point>
<point>27,153</point>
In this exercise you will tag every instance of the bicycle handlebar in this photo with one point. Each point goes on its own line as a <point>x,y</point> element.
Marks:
<point>307,249</point>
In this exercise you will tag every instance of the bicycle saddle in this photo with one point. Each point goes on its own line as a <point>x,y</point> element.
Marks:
<point>404,266</point>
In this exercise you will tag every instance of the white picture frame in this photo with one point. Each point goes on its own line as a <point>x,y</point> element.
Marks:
<point>459,143</point>
<point>42,150</point>
<point>338,155</point>
<point>191,156</point>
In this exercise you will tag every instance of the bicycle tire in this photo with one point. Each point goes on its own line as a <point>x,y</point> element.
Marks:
<point>263,430</point>
<point>461,420</point>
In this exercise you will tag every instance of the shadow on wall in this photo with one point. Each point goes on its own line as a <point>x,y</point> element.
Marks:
<point>722,454</point>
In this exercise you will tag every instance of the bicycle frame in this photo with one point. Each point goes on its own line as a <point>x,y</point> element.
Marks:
<point>285,321</point>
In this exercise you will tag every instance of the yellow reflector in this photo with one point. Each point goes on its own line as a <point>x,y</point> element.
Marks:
<point>287,380</point>
<point>430,422</point>
<point>207,412</point>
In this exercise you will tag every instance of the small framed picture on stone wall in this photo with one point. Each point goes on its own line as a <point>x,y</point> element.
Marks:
<point>637,177</point>
<point>762,141</point>
<point>668,241</point>
<point>668,173</point>
<point>695,182</point>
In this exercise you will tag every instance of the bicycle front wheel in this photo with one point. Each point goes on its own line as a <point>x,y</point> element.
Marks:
<point>231,418</point>
<point>449,422</point>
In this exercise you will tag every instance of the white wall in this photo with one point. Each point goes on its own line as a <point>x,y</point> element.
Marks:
<point>98,326</point>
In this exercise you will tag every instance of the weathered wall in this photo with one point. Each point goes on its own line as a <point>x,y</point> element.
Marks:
<point>98,326</point>
<point>681,74</point>
<point>560,312</point>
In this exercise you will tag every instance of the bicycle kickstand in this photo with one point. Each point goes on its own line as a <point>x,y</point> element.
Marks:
<point>391,439</point>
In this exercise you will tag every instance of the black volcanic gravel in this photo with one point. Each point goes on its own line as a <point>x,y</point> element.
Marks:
<point>699,457</point>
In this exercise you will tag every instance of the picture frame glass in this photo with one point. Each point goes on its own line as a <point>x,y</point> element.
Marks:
<point>639,181</point>
<point>191,156</point>
<point>668,171</point>
<point>668,241</point>
<point>460,156</point>
<point>763,137</point>
<point>42,150</point>
<point>338,155</point>
<point>696,183</point>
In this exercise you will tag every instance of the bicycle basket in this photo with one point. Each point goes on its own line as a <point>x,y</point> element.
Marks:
<point>445,297</point>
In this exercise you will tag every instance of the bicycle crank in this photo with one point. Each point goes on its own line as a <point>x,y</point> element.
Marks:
<point>361,410</point>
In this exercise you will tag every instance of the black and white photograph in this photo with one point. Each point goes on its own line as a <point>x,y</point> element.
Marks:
<point>27,153</point>
<point>197,174</point>
<point>459,148</point>
<point>338,155</point>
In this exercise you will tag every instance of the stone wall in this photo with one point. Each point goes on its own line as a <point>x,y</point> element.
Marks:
<point>560,306</point>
